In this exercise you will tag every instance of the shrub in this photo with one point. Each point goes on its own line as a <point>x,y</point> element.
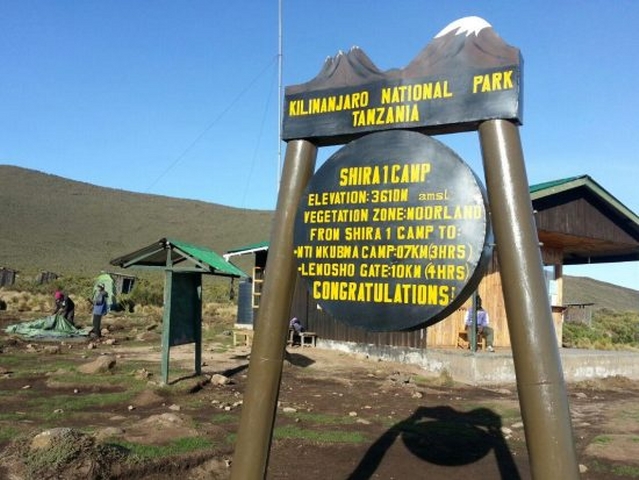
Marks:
<point>608,330</point>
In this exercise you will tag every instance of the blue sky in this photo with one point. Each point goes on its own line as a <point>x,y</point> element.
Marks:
<point>180,98</point>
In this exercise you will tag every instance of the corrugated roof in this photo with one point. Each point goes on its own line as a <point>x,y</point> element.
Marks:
<point>554,187</point>
<point>255,247</point>
<point>179,256</point>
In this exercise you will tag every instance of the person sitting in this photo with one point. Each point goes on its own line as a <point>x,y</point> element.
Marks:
<point>483,328</point>
<point>296,325</point>
<point>64,306</point>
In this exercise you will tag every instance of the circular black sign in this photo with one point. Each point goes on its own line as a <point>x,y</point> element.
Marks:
<point>391,232</point>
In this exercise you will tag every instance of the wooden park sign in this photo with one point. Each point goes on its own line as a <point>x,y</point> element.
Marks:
<point>466,75</point>
<point>392,231</point>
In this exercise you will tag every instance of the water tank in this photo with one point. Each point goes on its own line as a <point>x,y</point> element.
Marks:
<point>245,303</point>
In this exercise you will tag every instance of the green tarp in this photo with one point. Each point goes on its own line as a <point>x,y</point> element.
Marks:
<point>53,326</point>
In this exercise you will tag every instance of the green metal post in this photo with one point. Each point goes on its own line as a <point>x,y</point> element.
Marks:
<point>197,327</point>
<point>542,392</point>
<point>472,334</point>
<point>250,459</point>
<point>166,317</point>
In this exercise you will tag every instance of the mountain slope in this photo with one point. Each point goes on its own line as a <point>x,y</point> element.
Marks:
<point>601,294</point>
<point>49,223</point>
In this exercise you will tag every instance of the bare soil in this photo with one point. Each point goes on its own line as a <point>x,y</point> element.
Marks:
<point>340,416</point>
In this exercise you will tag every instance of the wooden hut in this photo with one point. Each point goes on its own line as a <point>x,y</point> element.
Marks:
<point>7,276</point>
<point>578,222</point>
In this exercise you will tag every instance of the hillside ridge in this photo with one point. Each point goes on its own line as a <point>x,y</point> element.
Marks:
<point>50,223</point>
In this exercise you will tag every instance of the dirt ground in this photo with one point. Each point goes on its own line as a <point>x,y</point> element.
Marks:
<point>340,416</point>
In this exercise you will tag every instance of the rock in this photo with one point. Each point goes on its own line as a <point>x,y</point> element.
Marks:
<point>108,432</point>
<point>147,398</point>
<point>219,379</point>
<point>143,374</point>
<point>582,468</point>
<point>289,410</point>
<point>175,408</point>
<point>100,365</point>
<point>52,349</point>
<point>502,391</point>
<point>46,439</point>
<point>352,414</point>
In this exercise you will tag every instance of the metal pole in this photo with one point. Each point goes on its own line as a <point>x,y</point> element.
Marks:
<point>250,460</point>
<point>472,334</point>
<point>542,391</point>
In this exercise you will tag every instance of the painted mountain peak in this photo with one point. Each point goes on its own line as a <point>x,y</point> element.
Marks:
<point>465,26</point>
<point>352,68</point>
<point>469,42</point>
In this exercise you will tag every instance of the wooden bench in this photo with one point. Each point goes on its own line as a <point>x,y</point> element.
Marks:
<point>464,342</point>
<point>307,339</point>
<point>243,337</point>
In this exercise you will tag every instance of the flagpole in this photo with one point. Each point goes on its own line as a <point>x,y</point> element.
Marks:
<point>279,96</point>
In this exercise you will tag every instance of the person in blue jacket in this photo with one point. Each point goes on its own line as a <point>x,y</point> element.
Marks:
<point>100,300</point>
<point>483,321</point>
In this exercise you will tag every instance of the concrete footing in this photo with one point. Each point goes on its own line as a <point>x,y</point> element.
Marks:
<point>485,368</point>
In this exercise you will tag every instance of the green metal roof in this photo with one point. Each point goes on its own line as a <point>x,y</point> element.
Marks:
<point>255,247</point>
<point>555,187</point>
<point>168,253</point>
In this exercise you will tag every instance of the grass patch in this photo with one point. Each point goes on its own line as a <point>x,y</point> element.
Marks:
<point>331,436</point>
<point>178,446</point>
<point>8,433</point>
<point>321,418</point>
<point>32,364</point>
<point>57,406</point>
<point>624,471</point>
<point>631,414</point>
<point>602,440</point>
<point>224,418</point>
<point>444,379</point>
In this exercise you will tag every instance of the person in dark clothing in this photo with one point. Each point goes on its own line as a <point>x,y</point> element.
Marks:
<point>64,306</point>
<point>296,325</point>
<point>99,310</point>
<point>483,328</point>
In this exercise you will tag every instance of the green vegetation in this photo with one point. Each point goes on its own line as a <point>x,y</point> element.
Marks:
<point>625,471</point>
<point>331,436</point>
<point>602,440</point>
<point>224,418</point>
<point>322,419</point>
<point>177,446</point>
<point>101,224</point>
<point>72,446</point>
<point>8,433</point>
<point>609,330</point>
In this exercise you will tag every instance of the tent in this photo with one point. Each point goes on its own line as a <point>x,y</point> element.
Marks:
<point>109,285</point>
